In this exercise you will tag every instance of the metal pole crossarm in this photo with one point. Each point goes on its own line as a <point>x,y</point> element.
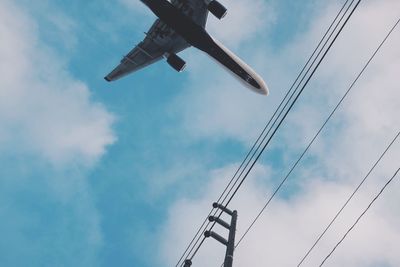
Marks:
<point>223,208</point>
<point>219,221</point>
<point>216,237</point>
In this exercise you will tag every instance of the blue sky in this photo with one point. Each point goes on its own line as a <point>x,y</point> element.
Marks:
<point>120,174</point>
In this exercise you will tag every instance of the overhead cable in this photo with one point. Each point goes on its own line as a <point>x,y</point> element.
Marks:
<point>349,198</point>
<point>313,140</point>
<point>291,105</point>
<point>373,167</point>
<point>256,144</point>
<point>296,96</point>
<point>359,218</point>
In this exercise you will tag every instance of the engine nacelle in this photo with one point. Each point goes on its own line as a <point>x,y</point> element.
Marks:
<point>176,62</point>
<point>217,9</point>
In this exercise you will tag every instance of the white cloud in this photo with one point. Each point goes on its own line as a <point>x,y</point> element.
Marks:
<point>43,110</point>
<point>215,104</point>
<point>290,225</point>
<point>244,21</point>
<point>367,119</point>
<point>342,155</point>
<point>51,134</point>
<point>186,215</point>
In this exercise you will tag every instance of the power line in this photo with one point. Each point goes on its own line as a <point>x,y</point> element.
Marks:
<point>286,113</point>
<point>359,218</point>
<point>314,138</point>
<point>365,178</point>
<point>348,200</point>
<point>287,94</point>
<point>292,104</point>
<point>206,222</point>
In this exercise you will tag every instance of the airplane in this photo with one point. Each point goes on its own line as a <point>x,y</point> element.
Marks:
<point>180,25</point>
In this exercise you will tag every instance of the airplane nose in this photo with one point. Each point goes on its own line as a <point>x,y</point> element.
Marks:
<point>258,84</point>
<point>262,88</point>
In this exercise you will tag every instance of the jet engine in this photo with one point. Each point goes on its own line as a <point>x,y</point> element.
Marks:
<point>217,9</point>
<point>176,62</point>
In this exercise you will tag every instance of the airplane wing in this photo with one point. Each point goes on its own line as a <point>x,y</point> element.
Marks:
<point>195,9</point>
<point>158,41</point>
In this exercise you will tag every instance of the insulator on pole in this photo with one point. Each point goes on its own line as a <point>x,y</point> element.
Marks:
<point>188,263</point>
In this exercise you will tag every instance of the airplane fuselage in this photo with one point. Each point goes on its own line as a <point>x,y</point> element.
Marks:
<point>198,37</point>
<point>193,33</point>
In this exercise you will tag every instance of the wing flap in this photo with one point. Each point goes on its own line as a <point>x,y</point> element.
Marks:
<point>141,56</point>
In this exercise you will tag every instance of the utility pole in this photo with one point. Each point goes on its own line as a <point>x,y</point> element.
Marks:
<point>230,243</point>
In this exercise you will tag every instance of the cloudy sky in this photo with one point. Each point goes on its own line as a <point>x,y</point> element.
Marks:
<point>122,174</point>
